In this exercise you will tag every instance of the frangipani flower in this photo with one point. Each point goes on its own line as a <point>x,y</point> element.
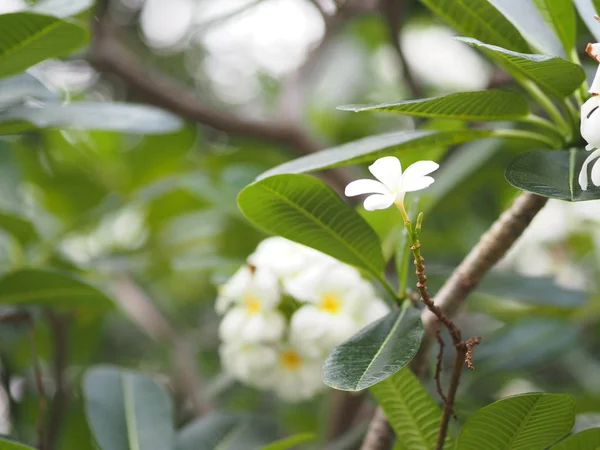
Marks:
<point>298,373</point>
<point>392,184</point>
<point>590,126</point>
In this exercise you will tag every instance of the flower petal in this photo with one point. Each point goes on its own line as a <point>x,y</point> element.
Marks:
<point>590,121</point>
<point>360,187</point>
<point>417,170</point>
<point>416,184</point>
<point>379,201</point>
<point>388,170</point>
<point>595,177</point>
<point>583,175</point>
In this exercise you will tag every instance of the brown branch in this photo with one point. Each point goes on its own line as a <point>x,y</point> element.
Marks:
<point>344,407</point>
<point>379,434</point>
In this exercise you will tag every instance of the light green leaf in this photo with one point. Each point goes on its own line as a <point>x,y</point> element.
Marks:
<point>14,90</point>
<point>584,440</point>
<point>113,116</point>
<point>223,431</point>
<point>372,147</point>
<point>12,445</point>
<point>551,73</point>
<point>411,411</point>
<point>587,10</point>
<point>493,104</point>
<point>289,442</point>
<point>561,15</point>
<point>62,8</point>
<point>551,174</point>
<point>127,410</point>
<point>527,422</point>
<point>27,39</point>
<point>478,18</point>
<point>50,288</point>
<point>21,228</point>
<point>306,210</point>
<point>376,352</point>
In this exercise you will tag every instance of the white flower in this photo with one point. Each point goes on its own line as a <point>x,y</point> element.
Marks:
<point>297,375</point>
<point>246,325</point>
<point>590,131</point>
<point>392,184</point>
<point>251,363</point>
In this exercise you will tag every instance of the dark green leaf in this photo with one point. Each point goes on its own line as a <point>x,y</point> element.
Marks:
<point>528,421</point>
<point>584,440</point>
<point>12,445</point>
<point>306,210</point>
<point>551,174</point>
<point>551,73</point>
<point>561,15</point>
<point>22,229</point>
<point>478,18</point>
<point>227,432</point>
<point>62,8</point>
<point>289,442</point>
<point>127,410</point>
<point>493,104</point>
<point>376,352</point>
<point>50,288</point>
<point>412,412</point>
<point>112,116</point>
<point>372,147</point>
<point>27,39</point>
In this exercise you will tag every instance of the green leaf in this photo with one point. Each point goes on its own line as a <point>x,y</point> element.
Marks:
<point>306,210</point>
<point>13,445</point>
<point>584,440</point>
<point>551,73</point>
<point>551,174</point>
<point>225,431</point>
<point>493,104</point>
<point>376,352</point>
<point>411,411</point>
<point>528,421</point>
<point>587,9</point>
<point>289,442</point>
<point>372,147</point>
<point>561,15</point>
<point>127,410</point>
<point>51,289</point>
<point>62,8</point>
<point>113,116</point>
<point>478,18</point>
<point>16,89</point>
<point>22,229</point>
<point>27,39</point>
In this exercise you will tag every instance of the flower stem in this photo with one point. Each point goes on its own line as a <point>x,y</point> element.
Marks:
<point>528,135</point>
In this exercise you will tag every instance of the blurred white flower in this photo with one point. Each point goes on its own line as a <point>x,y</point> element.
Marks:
<point>253,364</point>
<point>392,184</point>
<point>297,374</point>
<point>590,131</point>
<point>243,323</point>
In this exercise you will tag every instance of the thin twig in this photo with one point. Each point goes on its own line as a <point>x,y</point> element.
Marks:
<point>39,383</point>
<point>459,361</point>
<point>438,365</point>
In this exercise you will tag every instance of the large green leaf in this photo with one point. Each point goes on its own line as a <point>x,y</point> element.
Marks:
<point>524,422</point>
<point>551,73</point>
<point>114,116</point>
<point>493,104</point>
<point>587,10</point>
<point>584,440</point>
<point>27,39</point>
<point>376,352</point>
<point>289,442</point>
<point>561,15</point>
<point>478,18</point>
<point>372,147</point>
<point>411,411</point>
<point>551,174</point>
<point>306,210</point>
<point>227,432</point>
<point>13,445</point>
<point>127,410</point>
<point>50,288</point>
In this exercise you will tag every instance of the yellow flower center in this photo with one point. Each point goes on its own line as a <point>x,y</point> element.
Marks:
<point>252,303</point>
<point>330,302</point>
<point>290,359</point>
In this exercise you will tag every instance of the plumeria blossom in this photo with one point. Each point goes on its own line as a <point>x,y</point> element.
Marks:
<point>298,373</point>
<point>392,183</point>
<point>253,363</point>
<point>590,126</point>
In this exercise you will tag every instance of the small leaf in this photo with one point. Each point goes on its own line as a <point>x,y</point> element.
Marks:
<point>289,442</point>
<point>584,440</point>
<point>13,445</point>
<point>227,432</point>
<point>552,73</point>
<point>493,104</point>
<point>478,18</point>
<point>62,8</point>
<point>113,116</point>
<point>376,352</point>
<point>50,288</point>
<point>561,15</point>
<point>553,174</point>
<point>528,421</point>
<point>306,210</point>
<point>412,412</point>
<point>27,39</point>
<point>127,410</point>
<point>372,147</point>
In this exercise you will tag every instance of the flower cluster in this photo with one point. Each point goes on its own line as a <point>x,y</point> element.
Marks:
<point>283,313</point>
